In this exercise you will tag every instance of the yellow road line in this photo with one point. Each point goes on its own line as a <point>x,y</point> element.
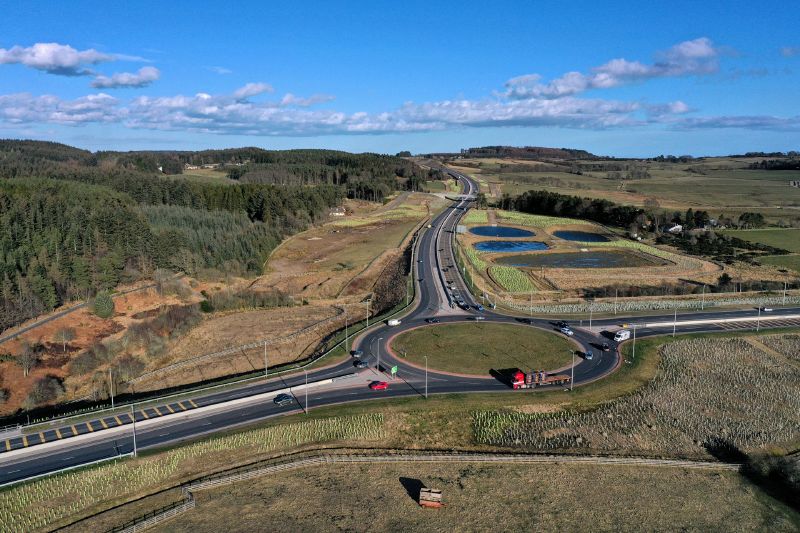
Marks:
<point>25,441</point>
<point>74,431</point>
<point>171,410</point>
<point>41,438</point>
<point>103,422</point>
<point>180,404</point>
<point>8,445</point>
<point>58,433</point>
<point>144,413</point>
<point>89,427</point>
<point>193,404</point>
<point>119,422</point>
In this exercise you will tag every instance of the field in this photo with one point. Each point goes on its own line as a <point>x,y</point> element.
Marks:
<point>74,494</point>
<point>480,348</point>
<point>788,239</point>
<point>205,175</point>
<point>715,184</point>
<point>483,497</point>
<point>701,401</point>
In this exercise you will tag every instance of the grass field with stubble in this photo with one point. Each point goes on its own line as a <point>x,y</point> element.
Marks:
<point>480,348</point>
<point>481,497</point>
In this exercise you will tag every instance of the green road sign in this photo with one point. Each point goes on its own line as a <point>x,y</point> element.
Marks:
<point>394,370</point>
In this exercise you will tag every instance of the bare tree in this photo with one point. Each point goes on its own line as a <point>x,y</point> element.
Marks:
<point>27,358</point>
<point>64,335</point>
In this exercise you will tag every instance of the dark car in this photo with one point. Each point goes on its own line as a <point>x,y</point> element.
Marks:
<point>432,320</point>
<point>605,347</point>
<point>361,364</point>
<point>588,356</point>
<point>283,399</point>
<point>561,324</point>
<point>357,353</point>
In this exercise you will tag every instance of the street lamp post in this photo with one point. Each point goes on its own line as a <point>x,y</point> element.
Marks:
<point>758,320</point>
<point>266,365</point>
<point>346,349</point>
<point>426,376</point>
<point>675,321</point>
<point>703,301</point>
<point>306,373</point>
<point>591,308</point>
<point>111,387</point>
<point>572,376</point>
<point>633,357</point>
<point>133,418</point>
<point>379,353</point>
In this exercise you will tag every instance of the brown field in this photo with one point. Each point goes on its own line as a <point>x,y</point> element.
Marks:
<point>482,497</point>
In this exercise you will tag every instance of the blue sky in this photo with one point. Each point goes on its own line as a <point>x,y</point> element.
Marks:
<point>701,78</point>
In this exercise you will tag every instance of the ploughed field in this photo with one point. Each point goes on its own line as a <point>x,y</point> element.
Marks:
<point>593,259</point>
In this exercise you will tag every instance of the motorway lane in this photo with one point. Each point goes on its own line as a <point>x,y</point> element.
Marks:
<point>409,382</point>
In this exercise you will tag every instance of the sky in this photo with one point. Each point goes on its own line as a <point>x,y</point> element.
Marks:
<point>626,79</point>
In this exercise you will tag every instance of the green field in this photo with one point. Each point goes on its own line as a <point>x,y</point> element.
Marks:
<point>435,186</point>
<point>791,262</point>
<point>788,239</point>
<point>479,348</point>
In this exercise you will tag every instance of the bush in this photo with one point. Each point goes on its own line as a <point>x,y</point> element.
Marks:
<point>85,363</point>
<point>103,305</point>
<point>129,367</point>
<point>44,390</point>
<point>3,396</point>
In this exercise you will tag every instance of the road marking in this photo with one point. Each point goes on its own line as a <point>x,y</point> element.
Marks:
<point>158,412</point>
<point>74,430</point>
<point>103,422</point>
<point>8,445</point>
<point>193,404</point>
<point>183,407</point>
<point>25,441</point>
<point>58,433</point>
<point>144,413</point>
<point>41,438</point>
<point>171,410</point>
<point>119,422</point>
<point>89,427</point>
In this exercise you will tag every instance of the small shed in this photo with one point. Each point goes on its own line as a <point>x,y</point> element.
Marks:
<point>430,498</point>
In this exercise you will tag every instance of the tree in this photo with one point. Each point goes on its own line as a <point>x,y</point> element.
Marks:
<point>45,389</point>
<point>64,335</point>
<point>28,358</point>
<point>103,305</point>
<point>724,280</point>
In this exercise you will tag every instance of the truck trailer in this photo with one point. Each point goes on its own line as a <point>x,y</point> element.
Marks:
<point>521,380</point>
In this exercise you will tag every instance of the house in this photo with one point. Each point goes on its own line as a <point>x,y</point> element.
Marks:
<point>187,166</point>
<point>677,228</point>
<point>337,212</point>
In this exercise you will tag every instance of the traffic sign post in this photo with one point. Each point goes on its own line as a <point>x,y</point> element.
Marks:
<point>394,371</point>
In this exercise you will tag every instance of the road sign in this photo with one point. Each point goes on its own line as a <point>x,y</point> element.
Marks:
<point>394,370</point>
<point>461,228</point>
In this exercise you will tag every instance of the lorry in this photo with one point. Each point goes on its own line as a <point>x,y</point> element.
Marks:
<point>622,335</point>
<point>521,380</point>
<point>393,322</point>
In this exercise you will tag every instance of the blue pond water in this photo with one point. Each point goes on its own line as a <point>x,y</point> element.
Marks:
<point>598,259</point>
<point>580,236</point>
<point>500,231</point>
<point>510,246</point>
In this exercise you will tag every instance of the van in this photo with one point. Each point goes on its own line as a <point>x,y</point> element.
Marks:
<point>393,322</point>
<point>622,335</point>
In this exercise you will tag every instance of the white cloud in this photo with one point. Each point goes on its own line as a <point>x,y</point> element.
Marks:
<point>144,77</point>
<point>749,122</point>
<point>25,108</point>
<point>695,57</point>
<point>252,89</point>
<point>219,70</point>
<point>291,100</point>
<point>54,58</point>
<point>790,51</point>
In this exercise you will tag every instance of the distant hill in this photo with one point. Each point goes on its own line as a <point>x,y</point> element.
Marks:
<point>528,152</point>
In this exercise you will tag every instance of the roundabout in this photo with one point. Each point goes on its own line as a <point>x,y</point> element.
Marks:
<point>478,348</point>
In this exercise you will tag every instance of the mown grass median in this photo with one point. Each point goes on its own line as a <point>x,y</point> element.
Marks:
<point>478,348</point>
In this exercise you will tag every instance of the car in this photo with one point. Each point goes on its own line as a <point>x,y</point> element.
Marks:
<point>766,309</point>
<point>588,356</point>
<point>566,331</point>
<point>361,364</point>
<point>561,324</point>
<point>479,307</point>
<point>357,353</point>
<point>283,399</point>
<point>378,385</point>
<point>432,320</point>
<point>605,347</point>
<point>477,317</point>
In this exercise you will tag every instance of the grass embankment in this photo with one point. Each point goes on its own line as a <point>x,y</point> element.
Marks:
<point>479,348</point>
<point>788,239</point>
<point>482,497</point>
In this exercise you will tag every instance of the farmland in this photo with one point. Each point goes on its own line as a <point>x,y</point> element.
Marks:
<point>562,498</point>
<point>480,348</point>
<point>692,407</point>
<point>788,239</point>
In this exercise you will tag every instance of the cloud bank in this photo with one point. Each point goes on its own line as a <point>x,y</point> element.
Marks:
<point>144,77</point>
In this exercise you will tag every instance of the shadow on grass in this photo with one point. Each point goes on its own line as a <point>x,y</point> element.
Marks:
<point>413,487</point>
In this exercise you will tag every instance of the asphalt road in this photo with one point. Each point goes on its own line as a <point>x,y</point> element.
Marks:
<point>71,445</point>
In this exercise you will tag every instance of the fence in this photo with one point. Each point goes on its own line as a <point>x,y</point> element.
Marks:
<point>155,517</point>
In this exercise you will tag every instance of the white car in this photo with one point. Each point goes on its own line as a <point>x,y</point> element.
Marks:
<point>766,309</point>
<point>566,331</point>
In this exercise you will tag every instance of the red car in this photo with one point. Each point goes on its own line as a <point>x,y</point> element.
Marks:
<point>378,385</point>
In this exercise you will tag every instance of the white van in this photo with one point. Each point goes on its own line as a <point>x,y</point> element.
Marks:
<point>393,322</point>
<point>622,335</point>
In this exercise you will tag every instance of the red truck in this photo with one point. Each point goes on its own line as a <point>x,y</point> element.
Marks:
<point>521,380</point>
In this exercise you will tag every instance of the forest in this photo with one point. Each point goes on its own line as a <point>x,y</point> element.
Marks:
<point>75,222</point>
